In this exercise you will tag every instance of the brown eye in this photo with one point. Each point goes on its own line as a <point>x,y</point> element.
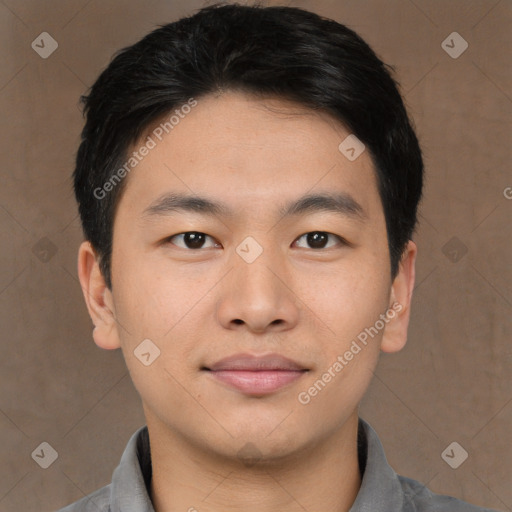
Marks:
<point>318,239</point>
<point>190,240</point>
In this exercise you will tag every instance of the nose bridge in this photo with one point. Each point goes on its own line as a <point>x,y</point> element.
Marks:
<point>255,295</point>
<point>255,269</point>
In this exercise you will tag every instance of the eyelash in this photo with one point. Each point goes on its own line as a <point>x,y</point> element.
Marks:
<point>341,240</point>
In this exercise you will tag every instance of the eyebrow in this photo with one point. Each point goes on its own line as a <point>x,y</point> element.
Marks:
<point>342,204</point>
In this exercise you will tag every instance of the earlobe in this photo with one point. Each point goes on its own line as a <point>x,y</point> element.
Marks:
<point>395,334</point>
<point>98,298</point>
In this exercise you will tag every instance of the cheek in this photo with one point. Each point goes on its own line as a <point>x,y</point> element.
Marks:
<point>150,300</point>
<point>167,306</point>
<point>348,298</point>
<point>348,350</point>
<point>153,318</point>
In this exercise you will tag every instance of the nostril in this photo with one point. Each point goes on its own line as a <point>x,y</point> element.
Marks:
<point>238,321</point>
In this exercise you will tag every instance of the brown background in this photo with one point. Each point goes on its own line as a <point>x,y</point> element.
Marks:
<point>452,382</point>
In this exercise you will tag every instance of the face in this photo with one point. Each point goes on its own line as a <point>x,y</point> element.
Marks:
<point>256,269</point>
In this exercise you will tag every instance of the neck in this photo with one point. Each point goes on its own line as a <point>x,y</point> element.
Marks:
<point>189,478</point>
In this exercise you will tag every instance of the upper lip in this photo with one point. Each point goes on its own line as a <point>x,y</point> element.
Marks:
<point>256,363</point>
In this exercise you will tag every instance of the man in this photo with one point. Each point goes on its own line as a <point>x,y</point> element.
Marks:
<point>248,183</point>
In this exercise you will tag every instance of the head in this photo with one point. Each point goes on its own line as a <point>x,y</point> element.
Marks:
<point>253,111</point>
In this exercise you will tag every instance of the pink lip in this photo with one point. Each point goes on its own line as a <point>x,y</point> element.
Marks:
<point>256,375</point>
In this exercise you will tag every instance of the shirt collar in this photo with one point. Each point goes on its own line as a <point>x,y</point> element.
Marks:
<point>380,489</point>
<point>131,479</point>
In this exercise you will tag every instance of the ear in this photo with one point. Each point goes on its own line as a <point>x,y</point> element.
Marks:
<point>98,298</point>
<point>395,333</point>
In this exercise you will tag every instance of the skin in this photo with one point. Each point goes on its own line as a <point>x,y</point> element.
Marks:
<point>201,305</point>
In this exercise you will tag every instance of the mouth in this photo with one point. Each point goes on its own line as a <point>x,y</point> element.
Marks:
<point>256,375</point>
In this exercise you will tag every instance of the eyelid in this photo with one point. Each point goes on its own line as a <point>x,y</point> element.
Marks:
<point>167,240</point>
<point>342,241</point>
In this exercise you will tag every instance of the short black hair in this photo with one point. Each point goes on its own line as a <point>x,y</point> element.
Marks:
<point>283,52</point>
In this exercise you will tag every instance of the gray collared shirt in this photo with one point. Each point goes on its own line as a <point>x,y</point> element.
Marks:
<point>382,490</point>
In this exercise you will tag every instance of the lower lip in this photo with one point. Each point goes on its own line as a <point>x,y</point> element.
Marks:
<point>257,382</point>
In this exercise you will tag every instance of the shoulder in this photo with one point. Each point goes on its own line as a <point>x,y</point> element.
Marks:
<point>129,487</point>
<point>418,498</point>
<point>98,501</point>
<point>383,487</point>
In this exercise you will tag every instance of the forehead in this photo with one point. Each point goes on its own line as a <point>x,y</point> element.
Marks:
<point>248,151</point>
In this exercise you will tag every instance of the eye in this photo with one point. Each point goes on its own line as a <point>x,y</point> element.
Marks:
<point>191,240</point>
<point>319,240</point>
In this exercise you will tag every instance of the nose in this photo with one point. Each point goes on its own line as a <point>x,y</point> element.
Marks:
<point>258,296</point>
